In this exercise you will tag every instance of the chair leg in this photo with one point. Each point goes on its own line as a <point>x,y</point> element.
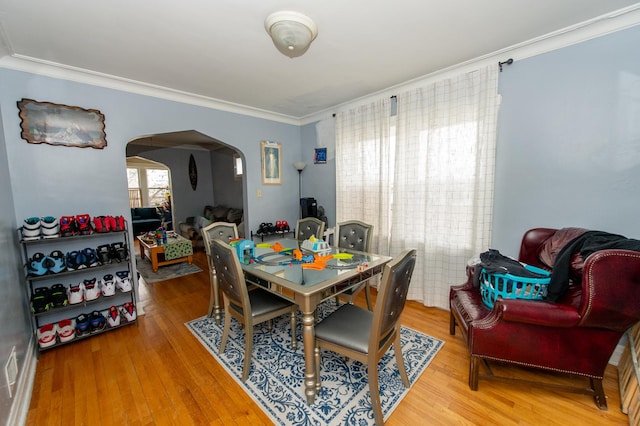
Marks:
<point>473,372</point>
<point>452,324</point>
<point>248,350</point>
<point>367,295</point>
<point>374,390</point>
<point>294,322</point>
<point>225,333</point>
<point>598,394</point>
<point>397,349</point>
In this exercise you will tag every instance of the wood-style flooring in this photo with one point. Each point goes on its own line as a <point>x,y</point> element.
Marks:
<point>157,373</point>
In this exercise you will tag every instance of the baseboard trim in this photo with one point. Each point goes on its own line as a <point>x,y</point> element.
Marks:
<point>22,400</point>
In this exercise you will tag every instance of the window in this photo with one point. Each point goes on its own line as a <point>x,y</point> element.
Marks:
<point>237,166</point>
<point>149,183</point>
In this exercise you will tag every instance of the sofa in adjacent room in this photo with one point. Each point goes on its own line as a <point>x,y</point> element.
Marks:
<point>191,226</point>
<point>145,219</point>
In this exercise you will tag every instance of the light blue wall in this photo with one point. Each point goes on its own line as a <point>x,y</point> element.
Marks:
<point>569,140</point>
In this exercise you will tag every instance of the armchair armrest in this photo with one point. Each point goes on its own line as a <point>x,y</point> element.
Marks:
<point>536,312</point>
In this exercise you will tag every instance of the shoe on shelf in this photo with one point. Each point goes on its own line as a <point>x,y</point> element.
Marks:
<point>56,262</point>
<point>40,300</point>
<point>118,223</point>
<point>97,322</point>
<point>108,285</point>
<point>83,222</point>
<point>47,335</point>
<point>31,228</point>
<point>59,296</point>
<point>128,310</point>
<point>91,289</point>
<point>38,264</point>
<point>113,317</point>
<point>119,252</point>
<point>75,293</point>
<point>123,281</point>
<point>68,226</point>
<point>76,259</point>
<point>66,330</point>
<point>50,227</point>
<point>91,258</point>
<point>82,325</point>
<point>101,224</point>
<point>104,253</point>
<point>285,226</point>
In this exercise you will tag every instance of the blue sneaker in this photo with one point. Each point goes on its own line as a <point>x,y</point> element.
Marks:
<point>38,264</point>
<point>56,262</point>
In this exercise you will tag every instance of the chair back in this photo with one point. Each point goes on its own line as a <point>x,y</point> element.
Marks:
<point>392,296</point>
<point>218,231</point>
<point>309,226</point>
<point>354,235</point>
<point>230,277</point>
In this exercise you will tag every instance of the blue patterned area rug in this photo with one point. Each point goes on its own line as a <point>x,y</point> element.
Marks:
<point>276,380</point>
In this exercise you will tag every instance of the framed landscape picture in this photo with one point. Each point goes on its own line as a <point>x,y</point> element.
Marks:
<point>55,124</point>
<point>271,163</point>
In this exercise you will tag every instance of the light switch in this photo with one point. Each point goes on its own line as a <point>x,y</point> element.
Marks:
<point>259,193</point>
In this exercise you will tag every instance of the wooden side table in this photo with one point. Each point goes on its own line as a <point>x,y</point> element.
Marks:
<point>148,248</point>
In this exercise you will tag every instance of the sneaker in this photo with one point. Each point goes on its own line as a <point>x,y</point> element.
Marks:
<point>113,317</point>
<point>119,223</point>
<point>47,335</point>
<point>82,325</point>
<point>40,300</point>
<point>38,264</point>
<point>50,227</point>
<point>68,226</point>
<point>279,226</point>
<point>101,224</point>
<point>104,253</point>
<point>66,330</point>
<point>91,258</point>
<point>123,281</point>
<point>128,310</point>
<point>31,229</point>
<point>56,262</point>
<point>75,293</point>
<point>91,289</point>
<point>285,226</point>
<point>76,260</point>
<point>108,285</point>
<point>119,252</point>
<point>59,296</point>
<point>97,322</point>
<point>84,224</point>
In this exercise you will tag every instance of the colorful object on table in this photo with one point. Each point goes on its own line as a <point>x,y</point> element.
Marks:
<point>245,250</point>
<point>297,254</point>
<point>343,256</point>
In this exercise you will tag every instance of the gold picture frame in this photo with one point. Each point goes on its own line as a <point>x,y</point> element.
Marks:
<point>55,124</point>
<point>271,163</point>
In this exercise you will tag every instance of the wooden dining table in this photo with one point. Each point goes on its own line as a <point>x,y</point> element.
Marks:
<point>308,287</point>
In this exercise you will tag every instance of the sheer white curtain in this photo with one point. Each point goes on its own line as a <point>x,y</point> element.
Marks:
<point>364,168</point>
<point>439,164</point>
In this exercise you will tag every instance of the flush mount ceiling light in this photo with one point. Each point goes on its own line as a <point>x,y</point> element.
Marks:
<point>291,32</point>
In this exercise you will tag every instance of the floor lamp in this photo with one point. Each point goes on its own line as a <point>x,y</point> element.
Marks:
<point>299,165</point>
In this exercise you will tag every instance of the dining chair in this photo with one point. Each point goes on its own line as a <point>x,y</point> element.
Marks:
<point>355,235</point>
<point>366,336</point>
<point>248,307</point>
<point>216,231</point>
<point>309,226</point>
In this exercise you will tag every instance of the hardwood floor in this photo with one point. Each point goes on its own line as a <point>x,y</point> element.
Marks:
<point>157,373</point>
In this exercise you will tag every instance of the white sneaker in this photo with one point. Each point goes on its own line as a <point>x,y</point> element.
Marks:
<point>31,228</point>
<point>47,335</point>
<point>75,293</point>
<point>113,317</point>
<point>123,281</point>
<point>66,329</point>
<point>50,227</point>
<point>129,311</point>
<point>108,285</point>
<point>91,289</point>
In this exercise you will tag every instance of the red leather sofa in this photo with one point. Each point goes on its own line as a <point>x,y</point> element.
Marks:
<point>576,334</point>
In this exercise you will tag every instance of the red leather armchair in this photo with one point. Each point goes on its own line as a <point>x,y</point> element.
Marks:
<point>576,335</point>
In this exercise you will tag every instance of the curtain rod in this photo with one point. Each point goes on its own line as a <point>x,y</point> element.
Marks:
<point>507,62</point>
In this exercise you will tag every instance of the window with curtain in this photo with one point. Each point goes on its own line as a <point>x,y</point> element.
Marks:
<point>426,176</point>
<point>149,185</point>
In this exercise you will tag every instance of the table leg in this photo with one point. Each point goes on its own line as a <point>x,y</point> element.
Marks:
<point>154,260</point>
<point>141,249</point>
<point>309,340</point>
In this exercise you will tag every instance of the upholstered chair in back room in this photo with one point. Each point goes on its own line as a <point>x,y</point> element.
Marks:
<point>223,231</point>
<point>355,235</point>
<point>307,227</point>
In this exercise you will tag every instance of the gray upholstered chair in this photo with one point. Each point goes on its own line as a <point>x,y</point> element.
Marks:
<point>307,227</point>
<point>355,235</point>
<point>223,231</point>
<point>249,307</point>
<point>366,336</point>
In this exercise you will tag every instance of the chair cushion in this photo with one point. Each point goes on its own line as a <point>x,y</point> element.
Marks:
<point>349,326</point>
<point>263,302</point>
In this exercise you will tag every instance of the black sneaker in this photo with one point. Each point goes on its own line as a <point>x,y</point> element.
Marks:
<point>58,296</point>
<point>40,300</point>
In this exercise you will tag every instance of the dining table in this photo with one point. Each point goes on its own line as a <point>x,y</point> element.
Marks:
<point>309,282</point>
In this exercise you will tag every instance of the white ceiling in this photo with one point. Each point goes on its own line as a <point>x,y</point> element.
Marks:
<point>219,50</point>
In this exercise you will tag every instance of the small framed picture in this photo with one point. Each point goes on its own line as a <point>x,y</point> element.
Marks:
<point>271,161</point>
<point>320,156</point>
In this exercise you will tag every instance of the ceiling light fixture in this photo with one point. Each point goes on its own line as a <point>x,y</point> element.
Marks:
<point>291,32</point>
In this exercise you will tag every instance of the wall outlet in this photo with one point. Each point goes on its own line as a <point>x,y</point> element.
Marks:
<point>11,371</point>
